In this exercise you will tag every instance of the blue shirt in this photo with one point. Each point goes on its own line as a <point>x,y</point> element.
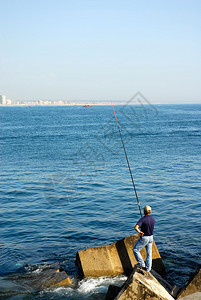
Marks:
<point>146,224</point>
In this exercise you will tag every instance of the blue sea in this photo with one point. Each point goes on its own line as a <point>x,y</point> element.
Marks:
<point>65,186</point>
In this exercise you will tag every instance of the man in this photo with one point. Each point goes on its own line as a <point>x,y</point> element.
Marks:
<point>145,227</point>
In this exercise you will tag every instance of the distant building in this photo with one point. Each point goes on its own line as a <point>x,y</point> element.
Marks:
<point>8,101</point>
<point>3,99</point>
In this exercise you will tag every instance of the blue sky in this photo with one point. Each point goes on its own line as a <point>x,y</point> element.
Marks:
<point>101,50</point>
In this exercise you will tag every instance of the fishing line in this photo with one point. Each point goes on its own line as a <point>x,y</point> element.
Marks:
<point>127,161</point>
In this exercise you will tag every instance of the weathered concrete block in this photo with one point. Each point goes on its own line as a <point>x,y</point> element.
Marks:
<point>195,296</point>
<point>114,259</point>
<point>193,285</point>
<point>114,290</point>
<point>163,282</point>
<point>141,285</point>
<point>47,276</point>
<point>175,291</point>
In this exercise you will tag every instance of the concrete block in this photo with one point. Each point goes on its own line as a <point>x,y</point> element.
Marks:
<point>141,285</point>
<point>175,291</point>
<point>195,296</point>
<point>169,288</point>
<point>47,276</point>
<point>114,259</point>
<point>193,285</point>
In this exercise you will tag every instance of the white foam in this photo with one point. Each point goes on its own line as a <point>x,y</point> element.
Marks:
<point>88,286</point>
<point>100,284</point>
<point>37,271</point>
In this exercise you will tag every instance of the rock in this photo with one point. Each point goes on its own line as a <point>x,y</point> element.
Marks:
<point>195,296</point>
<point>193,285</point>
<point>175,291</point>
<point>114,259</point>
<point>46,276</point>
<point>141,285</point>
<point>163,282</point>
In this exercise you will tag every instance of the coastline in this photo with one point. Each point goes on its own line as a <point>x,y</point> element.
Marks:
<point>89,105</point>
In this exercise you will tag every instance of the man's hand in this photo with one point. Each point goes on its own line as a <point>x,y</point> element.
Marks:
<point>138,230</point>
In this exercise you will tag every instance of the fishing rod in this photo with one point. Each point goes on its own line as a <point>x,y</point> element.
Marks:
<point>127,161</point>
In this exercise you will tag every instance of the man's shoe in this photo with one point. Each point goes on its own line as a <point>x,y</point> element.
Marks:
<point>137,265</point>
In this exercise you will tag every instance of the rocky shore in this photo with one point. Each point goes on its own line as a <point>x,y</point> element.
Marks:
<point>109,261</point>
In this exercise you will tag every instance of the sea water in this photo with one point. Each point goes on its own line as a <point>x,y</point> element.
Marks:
<point>65,186</point>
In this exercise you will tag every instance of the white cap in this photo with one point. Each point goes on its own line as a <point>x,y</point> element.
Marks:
<point>147,208</point>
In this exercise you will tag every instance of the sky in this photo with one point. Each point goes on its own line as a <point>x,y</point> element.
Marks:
<point>101,50</point>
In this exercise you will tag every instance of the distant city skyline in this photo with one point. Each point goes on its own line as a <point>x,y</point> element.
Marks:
<point>95,51</point>
<point>137,99</point>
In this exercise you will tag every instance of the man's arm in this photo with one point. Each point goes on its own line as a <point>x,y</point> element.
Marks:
<point>138,230</point>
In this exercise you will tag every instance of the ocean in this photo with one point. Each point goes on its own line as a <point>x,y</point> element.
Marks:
<point>65,186</point>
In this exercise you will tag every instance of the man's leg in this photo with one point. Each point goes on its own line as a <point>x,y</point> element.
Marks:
<point>141,243</point>
<point>149,254</point>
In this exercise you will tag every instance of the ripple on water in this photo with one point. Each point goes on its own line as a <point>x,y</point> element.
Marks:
<point>66,186</point>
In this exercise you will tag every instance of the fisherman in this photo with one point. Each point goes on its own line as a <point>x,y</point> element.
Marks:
<point>145,227</point>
